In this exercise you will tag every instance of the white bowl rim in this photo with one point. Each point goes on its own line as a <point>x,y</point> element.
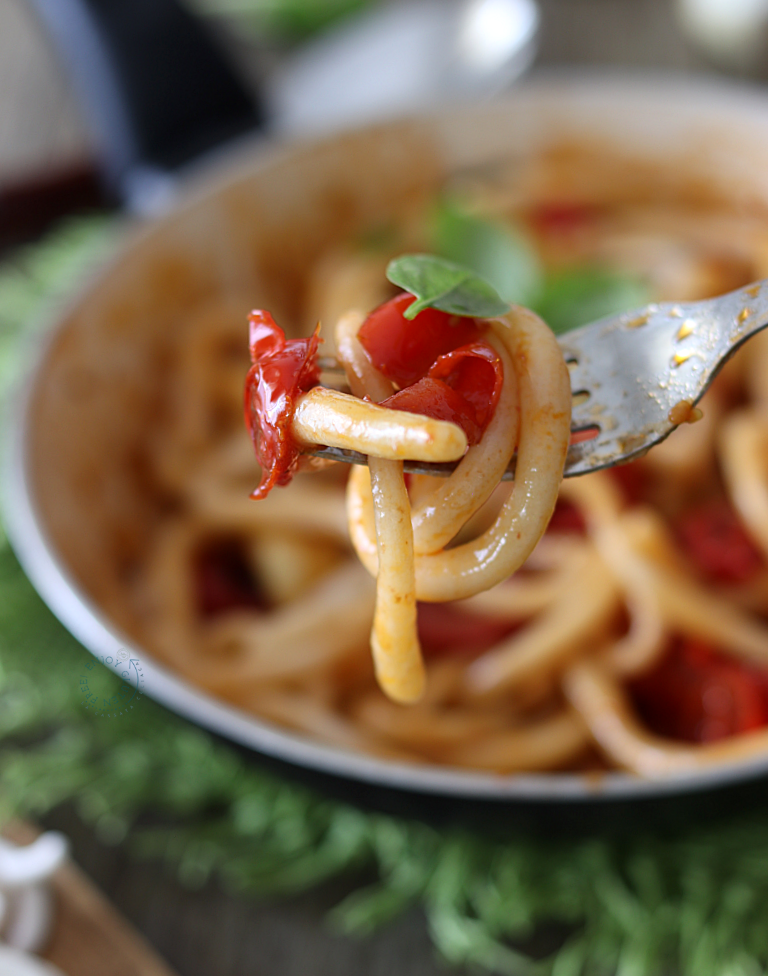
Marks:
<point>49,575</point>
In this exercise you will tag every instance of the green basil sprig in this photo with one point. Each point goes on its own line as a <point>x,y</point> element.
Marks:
<point>492,248</point>
<point>502,254</point>
<point>441,284</point>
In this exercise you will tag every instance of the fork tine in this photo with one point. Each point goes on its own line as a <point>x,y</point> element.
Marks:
<point>629,371</point>
<point>640,364</point>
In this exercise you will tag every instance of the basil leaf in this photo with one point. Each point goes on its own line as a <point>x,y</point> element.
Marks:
<point>501,254</point>
<point>441,284</point>
<point>580,295</point>
<point>497,251</point>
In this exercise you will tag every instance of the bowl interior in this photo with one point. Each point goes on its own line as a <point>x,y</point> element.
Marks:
<point>81,514</point>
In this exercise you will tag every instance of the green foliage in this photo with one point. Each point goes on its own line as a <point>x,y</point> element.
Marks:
<point>693,905</point>
<point>577,296</point>
<point>492,249</point>
<point>442,284</point>
<point>290,19</point>
<point>501,254</point>
<point>35,280</point>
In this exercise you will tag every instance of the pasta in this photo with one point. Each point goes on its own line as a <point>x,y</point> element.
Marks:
<point>630,634</point>
<point>523,394</point>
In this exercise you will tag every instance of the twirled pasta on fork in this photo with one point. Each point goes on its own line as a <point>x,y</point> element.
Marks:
<point>435,387</point>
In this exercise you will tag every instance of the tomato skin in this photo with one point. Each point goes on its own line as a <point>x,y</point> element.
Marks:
<point>282,370</point>
<point>698,694</point>
<point>404,350</point>
<point>435,399</point>
<point>475,371</point>
<point>716,542</point>
<point>446,630</point>
<point>462,386</point>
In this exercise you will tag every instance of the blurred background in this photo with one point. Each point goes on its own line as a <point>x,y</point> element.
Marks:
<point>293,59</point>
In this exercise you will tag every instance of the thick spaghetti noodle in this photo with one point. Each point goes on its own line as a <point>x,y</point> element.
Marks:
<point>633,635</point>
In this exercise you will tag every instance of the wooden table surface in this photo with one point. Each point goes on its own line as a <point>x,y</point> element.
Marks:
<point>206,933</point>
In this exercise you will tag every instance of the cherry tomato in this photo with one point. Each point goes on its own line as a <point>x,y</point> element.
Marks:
<point>403,349</point>
<point>632,479</point>
<point>445,630</point>
<point>698,694</point>
<point>717,543</point>
<point>223,581</point>
<point>474,371</point>
<point>554,219</point>
<point>436,399</point>
<point>462,386</point>
<point>567,518</point>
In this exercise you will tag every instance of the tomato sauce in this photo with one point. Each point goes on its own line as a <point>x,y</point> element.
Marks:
<point>716,542</point>
<point>446,630</point>
<point>222,580</point>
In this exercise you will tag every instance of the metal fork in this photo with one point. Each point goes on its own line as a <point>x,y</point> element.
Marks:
<point>633,375</point>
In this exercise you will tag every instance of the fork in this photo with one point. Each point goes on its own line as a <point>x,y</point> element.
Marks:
<point>634,376</point>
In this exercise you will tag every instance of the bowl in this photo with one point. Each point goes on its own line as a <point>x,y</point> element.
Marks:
<point>78,515</point>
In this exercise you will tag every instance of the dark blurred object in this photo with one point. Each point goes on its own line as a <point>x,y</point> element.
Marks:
<point>28,208</point>
<point>155,88</point>
<point>159,94</point>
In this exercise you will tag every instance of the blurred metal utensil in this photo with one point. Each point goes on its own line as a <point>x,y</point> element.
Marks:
<point>732,34</point>
<point>403,57</point>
